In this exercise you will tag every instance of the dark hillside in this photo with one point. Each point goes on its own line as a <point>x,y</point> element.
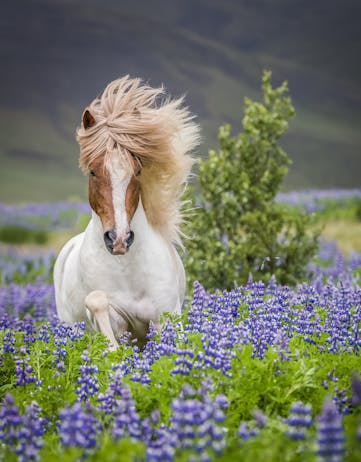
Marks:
<point>57,55</point>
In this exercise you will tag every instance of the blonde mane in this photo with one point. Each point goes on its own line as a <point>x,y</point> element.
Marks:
<point>132,118</point>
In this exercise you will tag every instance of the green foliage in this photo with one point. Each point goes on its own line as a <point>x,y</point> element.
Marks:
<point>12,234</point>
<point>271,384</point>
<point>238,229</point>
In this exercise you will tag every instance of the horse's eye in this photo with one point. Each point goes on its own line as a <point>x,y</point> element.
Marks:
<point>92,173</point>
<point>138,172</point>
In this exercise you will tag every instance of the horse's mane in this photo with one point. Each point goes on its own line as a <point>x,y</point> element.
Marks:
<point>132,118</point>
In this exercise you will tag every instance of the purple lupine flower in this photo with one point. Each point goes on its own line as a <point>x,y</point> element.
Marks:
<point>19,300</point>
<point>330,434</point>
<point>108,401</point>
<point>162,447</point>
<point>8,342</point>
<point>183,361</point>
<point>23,371</point>
<point>40,216</point>
<point>64,333</point>
<point>281,342</point>
<point>196,422</point>
<point>141,362</point>
<point>126,419</point>
<point>214,317</point>
<point>77,426</point>
<point>22,434</point>
<point>299,420</point>
<point>341,400</point>
<point>245,432</point>
<point>10,421</point>
<point>88,381</point>
<point>43,333</point>
<point>119,405</point>
<point>260,418</point>
<point>168,339</point>
<point>14,263</point>
<point>30,435</point>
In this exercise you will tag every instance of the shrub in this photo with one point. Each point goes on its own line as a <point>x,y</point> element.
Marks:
<point>238,229</point>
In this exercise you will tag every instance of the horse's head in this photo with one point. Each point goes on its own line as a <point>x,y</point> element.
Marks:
<point>114,191</point>
<point>128,125</point>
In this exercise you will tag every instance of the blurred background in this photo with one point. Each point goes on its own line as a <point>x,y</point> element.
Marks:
<point>57,55</point>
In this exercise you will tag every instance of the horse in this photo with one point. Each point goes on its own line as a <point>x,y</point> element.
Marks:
<point>124,270</point>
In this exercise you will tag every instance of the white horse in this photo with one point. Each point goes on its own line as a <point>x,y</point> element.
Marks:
<point>124,271</point>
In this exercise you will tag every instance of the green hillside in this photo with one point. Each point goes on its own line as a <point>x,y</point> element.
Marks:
<point>63,54</point>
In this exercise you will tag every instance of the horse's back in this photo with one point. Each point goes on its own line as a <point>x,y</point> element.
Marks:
<point>65,277</point>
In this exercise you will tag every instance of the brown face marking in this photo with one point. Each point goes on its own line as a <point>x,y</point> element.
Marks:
<point>100,193</point>
<point>133,191</point>
<point>132,198</point>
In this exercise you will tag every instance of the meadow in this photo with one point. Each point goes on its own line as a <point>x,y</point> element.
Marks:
<point>260,372</point>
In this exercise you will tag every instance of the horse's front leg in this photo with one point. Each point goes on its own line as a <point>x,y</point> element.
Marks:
<point>119,324</point>
<point>97,303</point>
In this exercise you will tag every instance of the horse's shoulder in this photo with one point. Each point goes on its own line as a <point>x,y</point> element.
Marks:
<point>64,253</point>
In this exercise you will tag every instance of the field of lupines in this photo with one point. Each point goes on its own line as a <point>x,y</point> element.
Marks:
<point>263,372</point>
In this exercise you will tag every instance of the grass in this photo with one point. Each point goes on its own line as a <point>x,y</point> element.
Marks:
<point>347,235</point>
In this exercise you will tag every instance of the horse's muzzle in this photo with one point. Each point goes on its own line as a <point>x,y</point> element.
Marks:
<point>115,245</point>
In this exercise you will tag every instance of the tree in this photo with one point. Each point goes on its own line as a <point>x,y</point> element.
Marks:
<point>238,229</point>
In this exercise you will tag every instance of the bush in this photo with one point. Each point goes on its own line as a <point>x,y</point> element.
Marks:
<point>238,229</point>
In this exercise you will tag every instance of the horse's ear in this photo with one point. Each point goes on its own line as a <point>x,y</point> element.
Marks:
<point>88,119</point>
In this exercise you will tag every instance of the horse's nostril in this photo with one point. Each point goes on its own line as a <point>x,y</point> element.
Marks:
<point>112,235</point>
<point>109,238</point>
<point>130,239</point>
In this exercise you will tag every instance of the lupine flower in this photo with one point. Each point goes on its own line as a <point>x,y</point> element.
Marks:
<point>195,422</point>
<point>183,361</point>
<point>299,420</point>
<point>313,200</point>
<point>14,263</point>
<point>341,400</point>
<point>162,447</point>
<point>8,342</point>
<point>23,371</point>
<point>19,300</point>
<point>260,418</point>
<point>168,339</point>
<point>330,434</point>
<point>126,418</point>
<point>30,435</point>
<point>77,426</point>
<point>88,380</point>
<point>118,403</point>
<point>40,216</point>
<point>10,421</point>
<point>245,433</point>
<point>43,333</point>
<point>22,434</point>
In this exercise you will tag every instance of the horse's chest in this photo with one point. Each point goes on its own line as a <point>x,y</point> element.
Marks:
<point>143,287</point>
